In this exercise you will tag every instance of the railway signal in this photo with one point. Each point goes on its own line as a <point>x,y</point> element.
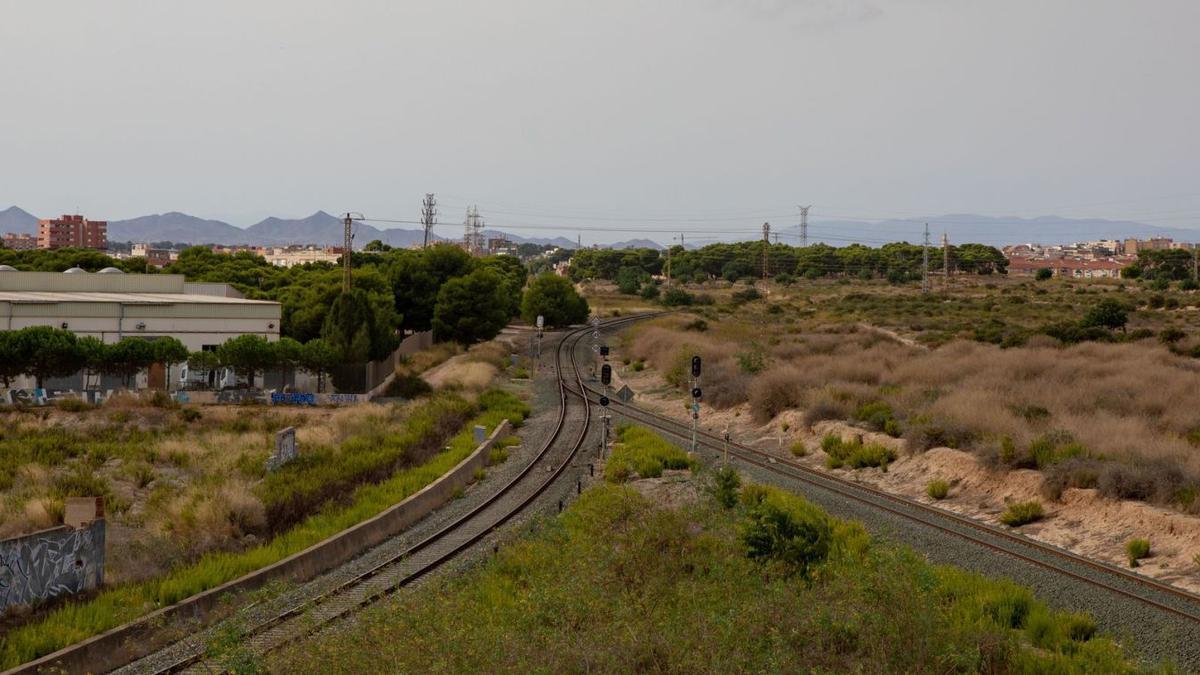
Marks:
<point>695,397</point>
<point>604,401</point>
<point>695,366</point>
<point>606,375</point>
<point>604,351</point>
<point>696,393</point>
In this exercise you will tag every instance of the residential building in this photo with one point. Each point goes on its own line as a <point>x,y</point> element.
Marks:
<point>291,256</point>
<point>157,257</point>
<point>1069,267</point>
<point>72,231</point>
<point>20,242</point>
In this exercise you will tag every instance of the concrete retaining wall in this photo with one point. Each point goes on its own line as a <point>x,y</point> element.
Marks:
<point>129,642</point>
<point>43,565</point>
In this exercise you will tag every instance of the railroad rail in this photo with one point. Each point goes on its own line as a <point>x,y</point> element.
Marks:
<point>395,572</point>
<point>924,514</point>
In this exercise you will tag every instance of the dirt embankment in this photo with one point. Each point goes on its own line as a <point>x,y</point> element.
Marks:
<point>1081,521</point>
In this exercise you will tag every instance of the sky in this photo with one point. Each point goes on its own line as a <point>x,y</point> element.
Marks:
<point>608,118</point>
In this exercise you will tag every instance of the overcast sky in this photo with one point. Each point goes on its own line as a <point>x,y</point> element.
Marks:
<point>706,114</point>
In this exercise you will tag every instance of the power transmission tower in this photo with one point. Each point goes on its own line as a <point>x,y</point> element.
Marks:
<point>804,225</point>
<point>766,250</point>
<point>925,262</point>
<point>946,257</point>
<point>428,216</point>
<point>473,232</point>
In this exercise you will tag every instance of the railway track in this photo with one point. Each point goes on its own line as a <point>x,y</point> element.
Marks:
<point>384,578</point>
<point>1149,611</point>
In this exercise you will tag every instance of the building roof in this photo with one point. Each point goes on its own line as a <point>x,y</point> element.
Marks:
<point>43,297</point>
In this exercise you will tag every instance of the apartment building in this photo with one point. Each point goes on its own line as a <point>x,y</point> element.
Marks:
<point>73,231</point>
<point>19,242</point>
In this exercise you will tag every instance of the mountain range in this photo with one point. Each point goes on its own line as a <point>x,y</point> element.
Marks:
<point>324,229</point>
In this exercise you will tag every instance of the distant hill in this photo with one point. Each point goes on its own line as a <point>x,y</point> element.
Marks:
<point>324,229</point>
<point>636,243</point>
<point>18,220</point>
<point>177,227</point>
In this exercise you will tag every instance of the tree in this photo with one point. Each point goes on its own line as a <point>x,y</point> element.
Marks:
<point>11,357</point>
<point>128,357</point>
<point>204,361</point>
<point>95,354</point>
<point>48,352</point>
<point>1108,313</point>
<point>554,298</point>
<point>319,357</point>
<point>629,280</point>
<point>247,354</point>
<point>1043,274</point>
<point>351,327</point>
<point>288,354</point>
<point>168,351</point>
<point>471,308</point>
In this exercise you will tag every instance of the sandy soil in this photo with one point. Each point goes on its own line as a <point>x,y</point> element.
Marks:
<point>1082,521</point>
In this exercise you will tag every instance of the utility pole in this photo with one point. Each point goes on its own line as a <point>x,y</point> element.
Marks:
<point>946,258</point>
<point>428,215</point>
<point>925,262</point>
<point>1195,262</point>
<point>346,243</point>
<point>669,247</point>
<point>766,250</point>
<point>804,225</point>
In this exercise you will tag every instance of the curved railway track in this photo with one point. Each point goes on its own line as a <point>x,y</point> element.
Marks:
<point>397,571</point>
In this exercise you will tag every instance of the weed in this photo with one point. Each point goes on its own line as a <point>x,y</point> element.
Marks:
<point>1021,513</point>
<point>641,451</point>
<point>726,484</point>
<point>1136,549</point>
<point>938,489</point>
<point>855,454</point>
<point>799,449</point>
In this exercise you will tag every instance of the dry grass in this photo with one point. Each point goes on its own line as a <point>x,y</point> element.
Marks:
<point>1120,411</point>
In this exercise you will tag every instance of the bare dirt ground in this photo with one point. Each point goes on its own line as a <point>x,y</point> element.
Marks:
<point>1081,521</point>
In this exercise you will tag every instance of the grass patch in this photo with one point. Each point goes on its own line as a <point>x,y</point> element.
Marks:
<point>641,452</point>
<point>80,620</point>
<point>938,489</point>
<point>1022,513</point>
<point>653,589</point>
<point>1136,549</point>
<point>855,454</point>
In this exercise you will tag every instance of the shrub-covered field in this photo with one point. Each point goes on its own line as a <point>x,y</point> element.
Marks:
<point>773,584</point>
<point>641,453</point>
<point>1111,413</point>
<point>407,455</point>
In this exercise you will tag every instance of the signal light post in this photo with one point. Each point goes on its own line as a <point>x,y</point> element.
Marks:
<point>696,394</point>
<point>605,379</point>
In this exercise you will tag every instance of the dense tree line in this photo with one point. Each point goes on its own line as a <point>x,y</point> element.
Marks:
<point>896,261</point>
<point>1168,265</point>
<point>42,352</point>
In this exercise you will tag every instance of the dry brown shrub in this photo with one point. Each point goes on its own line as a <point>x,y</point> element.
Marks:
<point>472,376</point>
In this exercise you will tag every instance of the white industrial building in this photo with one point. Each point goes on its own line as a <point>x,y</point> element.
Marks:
<point>111,305</point>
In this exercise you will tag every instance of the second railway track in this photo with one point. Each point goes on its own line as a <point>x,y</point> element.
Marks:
<point>393,572</point>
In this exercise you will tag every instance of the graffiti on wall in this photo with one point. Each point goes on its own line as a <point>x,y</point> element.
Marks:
<point>38,397</point>
<point>44,565</point>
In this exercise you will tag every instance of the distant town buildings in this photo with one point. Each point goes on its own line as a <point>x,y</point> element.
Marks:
<point>291,256</point>
<point>73,232</point>
<point>20,242</point>
<point>156,257</point>
<point>1104,258</point>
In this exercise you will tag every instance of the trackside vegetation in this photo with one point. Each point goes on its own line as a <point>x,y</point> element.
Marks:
<point>620,583</point>
<point>73,622</point>
<point>642,453</point>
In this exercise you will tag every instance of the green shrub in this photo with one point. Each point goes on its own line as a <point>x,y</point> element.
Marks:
<point>72,405</point>
<point>784,527</point>
<point>726,483</point>
<point>408,385</point>
<point>190,414</point>
<point>748,295</point>
<point>677,297</point>
<point>638,366</point>
<point>641,451</point>
<point>698,325</point>
<point>799,449</point>
<point>752,361</point>
<point>855,454</point>
<point>878,416</point>
<point>1022,513</point>
<point>937,489</point>
<point>1137,549</point>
